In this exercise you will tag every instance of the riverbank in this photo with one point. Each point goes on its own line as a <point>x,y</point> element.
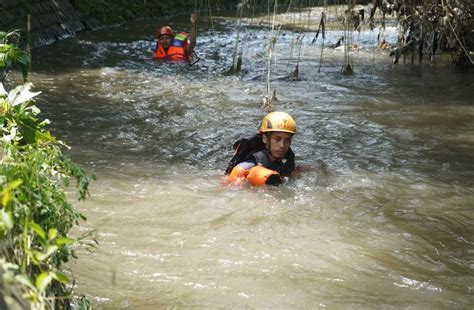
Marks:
<point>47,21</point>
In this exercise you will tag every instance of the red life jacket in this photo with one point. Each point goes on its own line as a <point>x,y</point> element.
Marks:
<point>176,51</point>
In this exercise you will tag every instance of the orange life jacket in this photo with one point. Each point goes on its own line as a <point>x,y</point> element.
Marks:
<point>175,51</point>
<point>257,176</point>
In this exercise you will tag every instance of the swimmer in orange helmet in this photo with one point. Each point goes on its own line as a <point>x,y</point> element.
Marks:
<point>266,157</point>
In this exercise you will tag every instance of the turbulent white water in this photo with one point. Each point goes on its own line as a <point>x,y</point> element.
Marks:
<point>388,224</point>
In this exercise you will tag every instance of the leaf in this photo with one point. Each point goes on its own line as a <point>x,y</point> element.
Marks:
<point>39,231</point>
<point>37,257</point>
<point>14,184</point>
<point>6,193</point>
<point>3,231</point>
<point>51,249</point>
<point>52,233</point>
<point>3,92</point>
<point>25,280</point>
<point>32,297</point>
<point>4,48</point>
<point>63,241</point>
<point>35,110</point>
<point>7,218</point>
<point>6,197</point>
<point>28,128</point>
<point>21,94</point>
<point>44,137</point>
<point>43,280</point>
<point>61,277</point>
<point>24,72</point>
<point>9,266</point>
<point>22,57</point>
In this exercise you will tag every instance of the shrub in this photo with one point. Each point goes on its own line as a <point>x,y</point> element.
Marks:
<point>35,215</point>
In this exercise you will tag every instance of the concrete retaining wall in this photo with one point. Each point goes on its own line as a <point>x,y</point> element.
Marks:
<point>51,20</point>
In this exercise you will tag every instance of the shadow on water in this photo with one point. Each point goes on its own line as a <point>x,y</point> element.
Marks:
<point>390,208</point>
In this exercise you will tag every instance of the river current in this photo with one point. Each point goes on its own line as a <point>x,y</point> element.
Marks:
<point>383,220</point>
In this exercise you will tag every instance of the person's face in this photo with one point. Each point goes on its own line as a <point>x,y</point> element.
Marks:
<point>278,143</point>
<point>165,40</point>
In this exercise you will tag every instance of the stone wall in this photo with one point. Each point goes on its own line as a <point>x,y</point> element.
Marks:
<point>51,20</point>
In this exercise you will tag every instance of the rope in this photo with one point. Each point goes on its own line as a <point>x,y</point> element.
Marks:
<point>210,14</point>
<point>347,69</point>
<point>323,29</point>
<point>289,6</point>
<point>269,101</point>
<point>271,47</point>
<point>239,27</point>
<point>291,52</point>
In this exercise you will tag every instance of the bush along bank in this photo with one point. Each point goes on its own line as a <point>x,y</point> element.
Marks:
<point>35,215</point>
<point>110,11</point>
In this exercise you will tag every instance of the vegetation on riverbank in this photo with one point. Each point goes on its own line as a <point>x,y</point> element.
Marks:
<point>109,11</point>
<point>427,27</point>
<point>35,215</point>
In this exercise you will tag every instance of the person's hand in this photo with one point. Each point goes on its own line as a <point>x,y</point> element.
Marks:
<point>193,18</point>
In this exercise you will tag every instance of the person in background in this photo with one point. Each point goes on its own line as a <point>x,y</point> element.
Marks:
<point>176,47</point>
<point>265,158</point>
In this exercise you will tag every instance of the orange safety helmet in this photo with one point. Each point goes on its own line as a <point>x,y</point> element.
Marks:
<point>165,30</point>
<point>278,121</point>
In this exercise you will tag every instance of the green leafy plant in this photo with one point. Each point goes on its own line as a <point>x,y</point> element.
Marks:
<point>11,53</point>
<point>35,214</point>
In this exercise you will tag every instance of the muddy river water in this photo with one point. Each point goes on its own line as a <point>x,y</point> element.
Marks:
<point>384,220</point>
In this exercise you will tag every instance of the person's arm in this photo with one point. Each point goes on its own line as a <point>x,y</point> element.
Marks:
<point>190,47</point>
<point>255,174</point>
<point>240,171</point>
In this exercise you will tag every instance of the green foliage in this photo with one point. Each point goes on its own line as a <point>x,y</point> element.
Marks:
<point>117,10</point>
<point>11,53</point>
<point>35,213</point>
